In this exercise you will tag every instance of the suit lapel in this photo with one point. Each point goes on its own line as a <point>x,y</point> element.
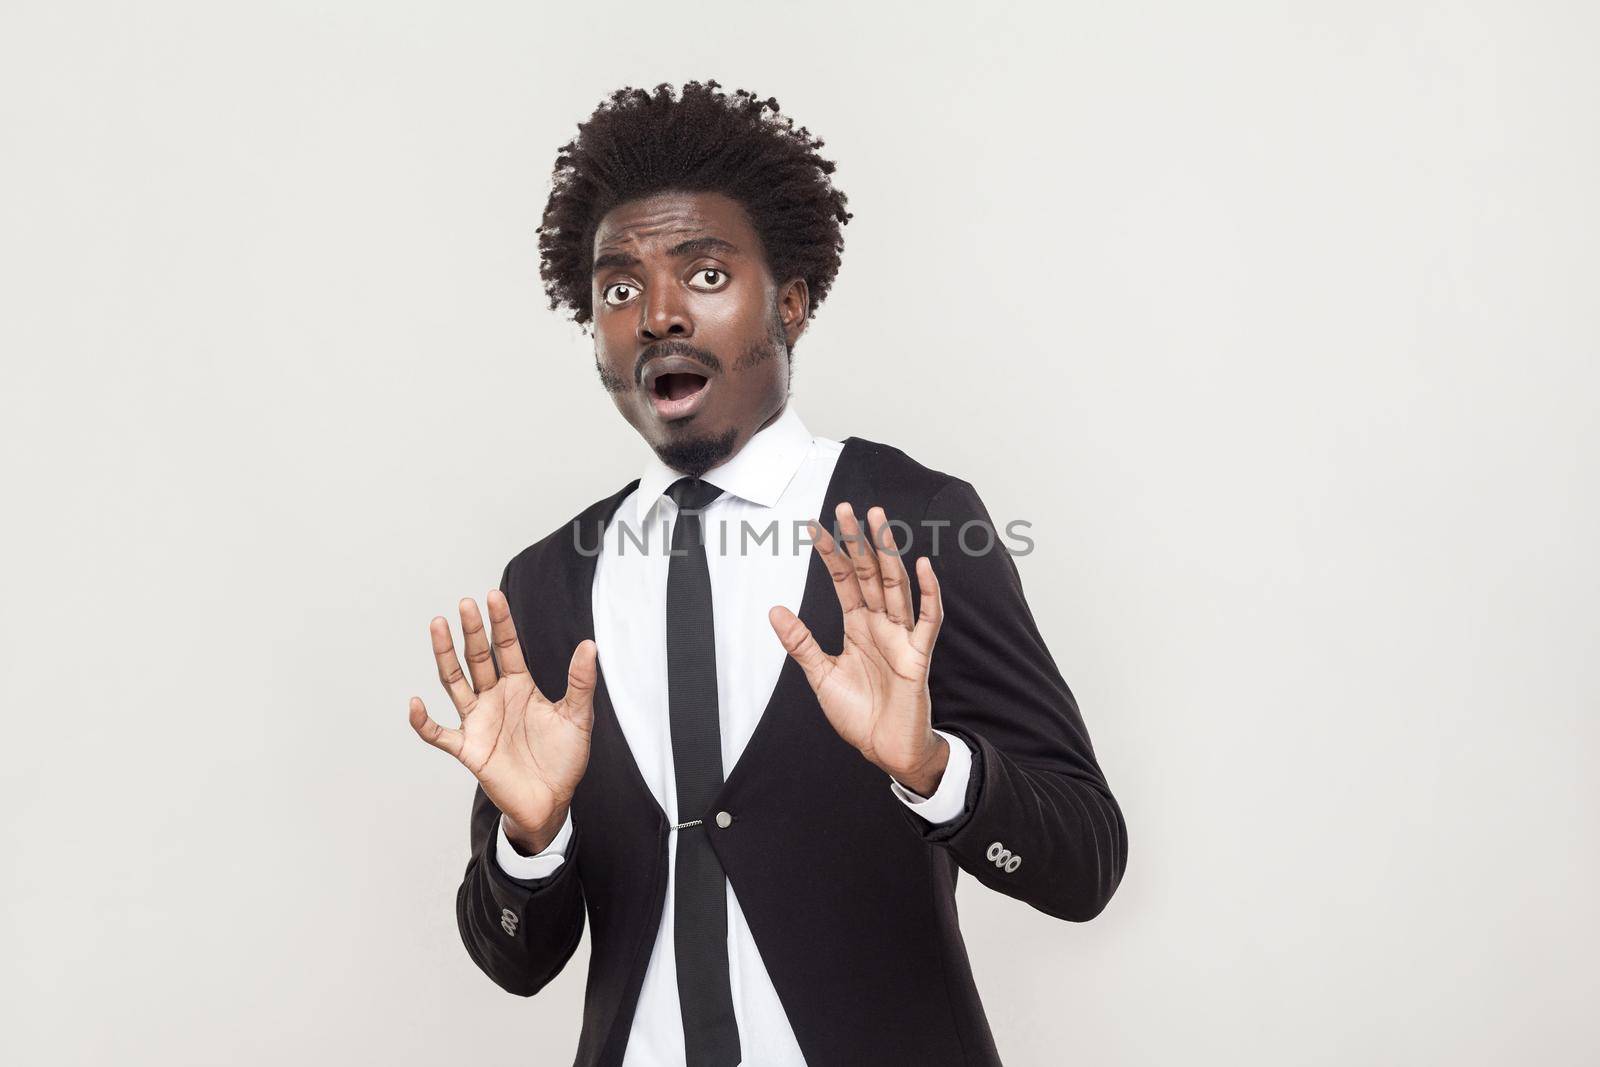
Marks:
<point>819,610</point>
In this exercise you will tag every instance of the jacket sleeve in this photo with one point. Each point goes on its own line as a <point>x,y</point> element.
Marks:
<point>520,932</point>
<point>1040,823</point>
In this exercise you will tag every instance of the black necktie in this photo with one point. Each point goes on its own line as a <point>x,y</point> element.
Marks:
<point>700,908</point>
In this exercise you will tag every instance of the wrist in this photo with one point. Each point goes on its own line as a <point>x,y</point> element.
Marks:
<point>530,841</point>
<point>923,778</point>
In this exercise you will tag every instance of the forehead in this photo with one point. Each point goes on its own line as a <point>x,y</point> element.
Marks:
<point>673,216</point>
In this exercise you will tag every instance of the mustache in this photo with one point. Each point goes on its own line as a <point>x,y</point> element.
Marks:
<point>663,349</point>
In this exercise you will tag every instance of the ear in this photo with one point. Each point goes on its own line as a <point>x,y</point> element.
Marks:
<point>794,308</point>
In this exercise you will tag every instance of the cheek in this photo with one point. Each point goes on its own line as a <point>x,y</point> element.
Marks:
<point>613,344</point>
<point>737,313</point>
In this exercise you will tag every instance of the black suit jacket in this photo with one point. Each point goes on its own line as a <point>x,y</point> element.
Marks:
<point>849,894</point>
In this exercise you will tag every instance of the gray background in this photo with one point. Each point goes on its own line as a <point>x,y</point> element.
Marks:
<point>1277,321</point>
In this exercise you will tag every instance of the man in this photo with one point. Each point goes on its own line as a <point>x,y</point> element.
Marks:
<point>755,765</point>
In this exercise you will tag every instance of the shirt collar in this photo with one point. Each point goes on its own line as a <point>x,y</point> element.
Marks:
<point>759,472</point>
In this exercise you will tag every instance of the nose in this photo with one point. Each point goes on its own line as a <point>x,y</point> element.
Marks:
<point>662,314</point>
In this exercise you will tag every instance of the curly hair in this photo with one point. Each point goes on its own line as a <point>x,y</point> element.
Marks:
<point>639,143</point>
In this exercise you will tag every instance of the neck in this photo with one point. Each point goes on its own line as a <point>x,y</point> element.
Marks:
<point>783,405</point>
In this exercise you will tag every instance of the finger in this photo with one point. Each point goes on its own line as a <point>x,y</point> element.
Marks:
<point>450,676</point>
<point>582,674</point>
<point>845,586</point>
<point>926,632</point>
<point>480,661</point>
<point>798,642</point>
<point>508,649</point>
<point>891,569</point>
<point>432,732</point>
<point>862,557</point>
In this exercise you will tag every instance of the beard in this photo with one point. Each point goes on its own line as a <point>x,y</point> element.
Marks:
<point>696,455</point>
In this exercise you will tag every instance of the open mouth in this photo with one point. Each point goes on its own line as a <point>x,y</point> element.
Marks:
<point>678,394</point>
<point>679,385</point>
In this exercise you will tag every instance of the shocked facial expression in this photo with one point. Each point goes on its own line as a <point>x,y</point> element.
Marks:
<point>692,333</point>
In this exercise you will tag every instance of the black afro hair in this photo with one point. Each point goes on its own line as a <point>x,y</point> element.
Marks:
<point>639,143</point>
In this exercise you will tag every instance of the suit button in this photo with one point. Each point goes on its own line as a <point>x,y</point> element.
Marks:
<point>724,820</point>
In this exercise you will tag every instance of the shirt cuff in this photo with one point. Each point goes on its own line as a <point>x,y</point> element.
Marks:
<point>539,865</point>
<point>949,800</point>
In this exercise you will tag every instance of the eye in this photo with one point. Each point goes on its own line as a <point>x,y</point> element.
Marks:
<point>712,278</point>
<point>618,293</point>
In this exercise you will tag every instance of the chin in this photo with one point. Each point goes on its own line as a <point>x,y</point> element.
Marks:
<point>696,450</point>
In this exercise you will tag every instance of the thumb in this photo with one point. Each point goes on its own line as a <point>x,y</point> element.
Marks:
<point>581,677</point>
<point>798,642</point>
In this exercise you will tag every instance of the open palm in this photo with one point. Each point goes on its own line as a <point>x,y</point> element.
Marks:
<point>875,691</point>
<point>528,752</point>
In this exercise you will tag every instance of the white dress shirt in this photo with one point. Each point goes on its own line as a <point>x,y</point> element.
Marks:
<point>777,481</point>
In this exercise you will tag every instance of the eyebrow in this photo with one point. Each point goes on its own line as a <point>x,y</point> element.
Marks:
<point>695,246</point>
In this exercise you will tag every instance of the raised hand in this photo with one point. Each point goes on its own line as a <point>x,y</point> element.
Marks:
<point>875,692</point>
<point>529,753</point>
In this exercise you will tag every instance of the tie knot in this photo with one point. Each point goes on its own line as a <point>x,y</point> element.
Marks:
<point>693,493</point>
